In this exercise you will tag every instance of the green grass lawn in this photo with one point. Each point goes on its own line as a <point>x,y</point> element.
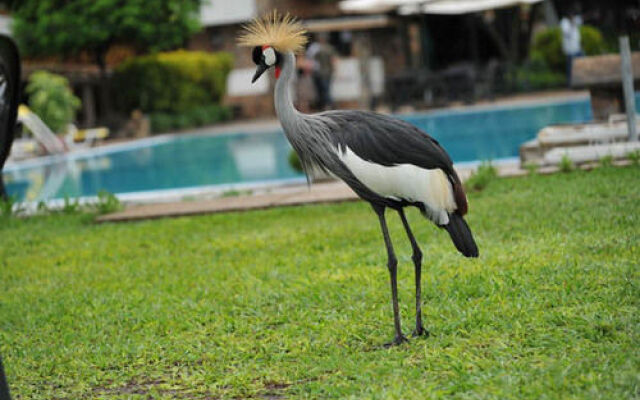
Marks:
<point>295,302</point>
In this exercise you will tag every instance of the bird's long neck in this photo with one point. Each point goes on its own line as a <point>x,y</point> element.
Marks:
<point>287,113</point>
<point>307,134</point>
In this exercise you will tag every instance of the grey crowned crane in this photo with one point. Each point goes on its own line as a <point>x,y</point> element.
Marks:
<point>387,162</point>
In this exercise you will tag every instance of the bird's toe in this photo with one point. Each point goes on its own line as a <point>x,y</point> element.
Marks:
<point>420,332</point>
<point>398,340</point>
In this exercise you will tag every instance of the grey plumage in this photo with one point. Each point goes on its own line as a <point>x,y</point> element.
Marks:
<point>378,148</point>
<point>374,137</point>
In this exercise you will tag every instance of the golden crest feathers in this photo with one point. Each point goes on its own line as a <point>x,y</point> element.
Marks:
<point>282,32</point>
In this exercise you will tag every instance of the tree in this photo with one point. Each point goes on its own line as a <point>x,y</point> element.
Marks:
<point>8,4</point>
<point>67,27</point>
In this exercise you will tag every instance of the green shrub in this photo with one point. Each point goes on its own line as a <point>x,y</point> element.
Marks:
<point>546,67</point>
<point>42,207</point>
<point>294,161</point>
<point>172,82</point>
<point>606,161</point>
<point>51,98</point>
<point>532,168</point>
<point>206,69</point>
<point>634,157</point>
<point>480,178</point>
<point>182,121</point>
<point>70,206</point>
<point>9,207</point>
<point>547,46</point>
<point>197,116</point>
<point>528,78</point>
<point>107,203</point>
<point>236,193</point>
<point>592,41</point>
<point>161,122</point>
<point>566,165</point>
<point>179,89</point>
<point>202,116</point>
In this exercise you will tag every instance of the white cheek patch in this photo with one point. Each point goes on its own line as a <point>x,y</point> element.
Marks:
<point>269,56</point>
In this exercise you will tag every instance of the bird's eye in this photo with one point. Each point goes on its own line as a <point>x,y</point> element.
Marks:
<point>269,56</point>
<point>256,55</point>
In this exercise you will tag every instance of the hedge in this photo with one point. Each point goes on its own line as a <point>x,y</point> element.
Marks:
<point>194,117</point>
<point>172,82</point>
<point>547,46</point>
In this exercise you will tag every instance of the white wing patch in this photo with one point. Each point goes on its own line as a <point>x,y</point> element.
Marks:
<point>405,181</point>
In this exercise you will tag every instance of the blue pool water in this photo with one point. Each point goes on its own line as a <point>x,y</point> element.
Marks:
<point>196,161</point>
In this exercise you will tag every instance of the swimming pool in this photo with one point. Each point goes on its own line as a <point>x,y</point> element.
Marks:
<point>189,163</point>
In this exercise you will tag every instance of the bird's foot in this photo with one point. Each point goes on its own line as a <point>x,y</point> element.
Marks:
<point>420,331</point>
<point>398,340</point>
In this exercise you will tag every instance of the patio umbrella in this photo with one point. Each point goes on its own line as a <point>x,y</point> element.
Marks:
<point>454,7</point>
<point>428,6</point>
<point>377,6</point>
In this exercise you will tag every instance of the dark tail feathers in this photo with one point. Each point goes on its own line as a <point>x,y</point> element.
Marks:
<point>461,235</point>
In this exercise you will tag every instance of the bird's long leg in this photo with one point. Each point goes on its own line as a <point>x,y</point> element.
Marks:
<point>417,263</point>
<point>392,264</point>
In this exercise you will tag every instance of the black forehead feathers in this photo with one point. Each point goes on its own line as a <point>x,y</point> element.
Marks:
<point>257,55</point>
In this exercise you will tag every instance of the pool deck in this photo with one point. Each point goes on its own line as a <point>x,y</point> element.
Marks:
<point>325,192</point>
<point>318,193</point>
<point>330,192</point>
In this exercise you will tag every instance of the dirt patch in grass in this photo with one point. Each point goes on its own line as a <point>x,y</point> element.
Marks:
<point>147,387</point>
<point>274,390</point>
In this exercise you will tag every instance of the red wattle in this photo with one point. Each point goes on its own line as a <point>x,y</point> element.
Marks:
<point>277,72</point>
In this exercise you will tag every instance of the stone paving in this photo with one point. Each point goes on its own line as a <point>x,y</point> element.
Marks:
<point>326,192</point>
<point>318,193</point>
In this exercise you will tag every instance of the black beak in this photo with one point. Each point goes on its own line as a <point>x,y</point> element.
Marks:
<point>259,71</point>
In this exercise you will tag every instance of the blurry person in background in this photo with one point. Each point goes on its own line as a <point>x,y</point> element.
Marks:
<point>571,46</point>
<point>323,56</point>
<point>305,91</point>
